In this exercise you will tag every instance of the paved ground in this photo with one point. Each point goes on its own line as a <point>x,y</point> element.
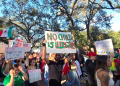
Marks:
<point>82,81</point>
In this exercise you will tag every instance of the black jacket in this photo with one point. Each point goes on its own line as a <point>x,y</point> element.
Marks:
<point>91,73</point>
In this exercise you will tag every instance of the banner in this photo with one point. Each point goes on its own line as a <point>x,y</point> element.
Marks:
<point>13,53</point>
<point>18,43</point>
<point>34,75</point>
<point>59,42</point>
<point>11,43</point>
<point>27,46</point>
<point>104,47</point>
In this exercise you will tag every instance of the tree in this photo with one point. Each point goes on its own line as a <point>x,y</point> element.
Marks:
<point>30,19</point>
<point>86,12</point>
<point>3,25</point>
<point>115,38</point>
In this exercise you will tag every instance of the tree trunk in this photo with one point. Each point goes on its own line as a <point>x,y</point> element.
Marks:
<point>88,37</point>
<point>74,40</point>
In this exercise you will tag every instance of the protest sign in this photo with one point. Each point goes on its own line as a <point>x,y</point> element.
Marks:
<point>11,43</point>
<point>13,53</point>
<point>6,45</point>
<point>59,42</point>
<point>34,75</point>
<point>27,46</point>
<point>2,47</point>
<point>104,47</point>
<point>18,43</point>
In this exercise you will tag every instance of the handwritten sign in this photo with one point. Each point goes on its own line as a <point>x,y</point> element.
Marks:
<point>59,42</point>
<point>34,75</point>
<point>13,53</point>
<point>104,47</point>
<point>18,43</point>
<point>27,46</point>
<point>11,43</point>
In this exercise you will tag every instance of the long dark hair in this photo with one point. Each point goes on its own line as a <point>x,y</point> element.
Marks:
<point>76,56</point>
<point>101,62</point>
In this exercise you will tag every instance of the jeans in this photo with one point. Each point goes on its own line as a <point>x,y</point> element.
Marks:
<point>46,74</point>
<point>73,77</point>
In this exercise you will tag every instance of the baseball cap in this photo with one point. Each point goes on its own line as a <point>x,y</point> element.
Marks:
<point>91,54</point>
<point>116,61</point>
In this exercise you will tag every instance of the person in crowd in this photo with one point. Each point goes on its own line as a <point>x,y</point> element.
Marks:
<point>112,68</point>
<point>46,72</point>
<point>89,60</point>
<point>62,56</point>
<point>32,67</point>
<point>116,74</point>
<point>82,62</point>
<point>1,61</point>
<point>55,67</point>
<point>66,69</point>
<point>7,65</point>
<point>17,76</point>
<point>26,61</point>
<point>75,71</point>
<point>101,72</point>
<point>38,62</point>
<point>91,69</point>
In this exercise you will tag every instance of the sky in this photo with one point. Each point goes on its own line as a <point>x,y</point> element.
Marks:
<point>115,20</point>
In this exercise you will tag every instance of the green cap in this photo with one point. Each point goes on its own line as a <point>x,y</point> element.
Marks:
<point>116,55</point>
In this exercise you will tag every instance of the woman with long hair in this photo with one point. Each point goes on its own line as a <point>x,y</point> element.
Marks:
<point>101,71</point>
<point>32,67</point>
<point>75,71</point>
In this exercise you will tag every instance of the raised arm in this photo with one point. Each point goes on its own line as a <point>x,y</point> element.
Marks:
<point>25,77</point>
<point>11,83</point>
<point>69,59</point>
<point>20,63</point>
<point>44,54</point>
<point>6,71</point>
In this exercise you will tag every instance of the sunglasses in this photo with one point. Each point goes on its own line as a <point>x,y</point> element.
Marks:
<point>57,55</point>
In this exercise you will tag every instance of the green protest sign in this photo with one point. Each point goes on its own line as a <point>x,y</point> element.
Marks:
<point>59,42</point>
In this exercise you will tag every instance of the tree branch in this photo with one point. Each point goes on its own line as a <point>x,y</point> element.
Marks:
<point>73,6</point>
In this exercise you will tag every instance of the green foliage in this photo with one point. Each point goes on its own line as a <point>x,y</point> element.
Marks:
<point>115,36</point>
<point>30,19</point>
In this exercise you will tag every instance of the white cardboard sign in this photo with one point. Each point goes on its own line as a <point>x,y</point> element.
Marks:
<point>104,47</point>
<point>34,75</point>
<point>59,42</point>
<point>13,53</point>
<point>27,46</point>
<point>18,43</point>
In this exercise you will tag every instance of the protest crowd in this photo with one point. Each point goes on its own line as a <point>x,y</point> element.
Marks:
<point>51,67</point>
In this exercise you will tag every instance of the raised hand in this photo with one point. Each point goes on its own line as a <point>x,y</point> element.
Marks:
<point>7,61</point>
<point>11,72</point>
<point>112,55</point>
<point>44,42</point>
<point>20,68</point>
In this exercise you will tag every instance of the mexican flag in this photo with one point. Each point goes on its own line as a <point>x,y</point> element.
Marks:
<point>6,32</point>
